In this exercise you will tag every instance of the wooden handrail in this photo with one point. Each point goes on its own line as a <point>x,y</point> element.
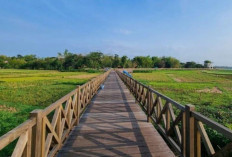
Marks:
<point>216,126</point>
<point>182,126</point>
<point>43,134</point>
<point>16,132</point>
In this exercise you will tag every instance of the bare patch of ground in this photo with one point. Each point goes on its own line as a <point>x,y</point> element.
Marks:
<point>82,76</point>
<point>174,78</point>
<point>5,108</point>
<point>213,90</point>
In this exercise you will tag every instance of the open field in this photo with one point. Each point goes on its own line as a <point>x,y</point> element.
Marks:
<point>209,90</point>
<point>22,91</point>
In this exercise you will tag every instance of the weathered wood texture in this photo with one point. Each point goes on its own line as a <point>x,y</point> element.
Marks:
<point>180,125</point>
<point>114,125</point>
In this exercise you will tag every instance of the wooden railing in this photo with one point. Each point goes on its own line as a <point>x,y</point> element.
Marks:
<point>180,125</point>
<point>44,133</point>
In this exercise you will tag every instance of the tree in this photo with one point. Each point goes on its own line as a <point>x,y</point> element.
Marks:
<point>190,65</point>
<point>4,62</point>
<point>30,58</point>
<point>143,62</point>
<point>70,61</point>
<point>171,62</point>
<point>94,59</point>
<point>16,63</point>
<point>207,64</point>
<point>107,61</point>
<point>123,61</point>
<point>116,61</point>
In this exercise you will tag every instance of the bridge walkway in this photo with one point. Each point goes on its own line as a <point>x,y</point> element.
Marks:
<point>114,125</point>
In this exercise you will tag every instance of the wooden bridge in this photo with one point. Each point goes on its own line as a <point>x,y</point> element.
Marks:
<point>115,121</point>
<point>114,125</point>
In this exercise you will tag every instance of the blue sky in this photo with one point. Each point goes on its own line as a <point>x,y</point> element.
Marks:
<point>188,30</point>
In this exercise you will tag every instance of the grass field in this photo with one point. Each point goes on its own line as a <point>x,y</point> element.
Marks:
<point>209,90</point>
<point>22,91</point>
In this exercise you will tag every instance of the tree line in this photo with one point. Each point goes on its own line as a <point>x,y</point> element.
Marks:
<point>96,60</point>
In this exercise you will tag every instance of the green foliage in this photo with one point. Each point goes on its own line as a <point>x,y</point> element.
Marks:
<point>209,90</point>
<point>68,61</point>
<point>192,65</point>
<point>124,61</point>
<point>143,62</point>
<point>25,90</point>
<point>116,61</point>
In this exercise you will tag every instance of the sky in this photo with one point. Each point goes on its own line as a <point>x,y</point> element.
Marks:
<point>189,30</point>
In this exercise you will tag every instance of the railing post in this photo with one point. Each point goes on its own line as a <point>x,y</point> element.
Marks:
<point>183,135</point>
<point>149,103</point>
<point>189,131</point>
<point>131,87</point>
<point>78,105</point>
<point>197,140</point>
<point>38,134</point>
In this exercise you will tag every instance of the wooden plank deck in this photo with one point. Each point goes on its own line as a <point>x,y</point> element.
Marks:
<point>114,125</point>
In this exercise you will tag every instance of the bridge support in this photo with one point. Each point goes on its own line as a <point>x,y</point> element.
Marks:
<point>189,131</point>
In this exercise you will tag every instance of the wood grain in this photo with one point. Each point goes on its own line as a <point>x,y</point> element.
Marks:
<point>114,129</point>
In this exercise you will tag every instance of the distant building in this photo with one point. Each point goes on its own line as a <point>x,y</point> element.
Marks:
<point>6,62</point>
<point>209,65</point>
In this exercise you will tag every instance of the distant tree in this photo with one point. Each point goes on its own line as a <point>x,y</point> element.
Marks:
<point>199,66</point>
<point>67,53</point>
<point>30,58</point>
<point>182,65</point>
<point>129,64</point>
<point>94,59</point>
<point>4,61</point>
<point>171,62</point>
<point>161,63</point>
<point>143,62</point>
<point>116,61</point>
<point>78,61</point>
<point>107,61</point>
<point>123,61</point>
<point>156,61</point>
<point>16,63</point>
<point>19,56</point>
<point>190,65</point>
<point>69,61</point>
<point>207,63</point>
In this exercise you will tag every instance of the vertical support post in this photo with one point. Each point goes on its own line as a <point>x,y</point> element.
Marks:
<point>183,136</point>
<point>149,104</point>
<point>27,149</point>
<point>37,132</point>
<point>136,90</point>
<point>158,106</point>
<point>168,118</point>
<point>197,140</point>
<point>78,105</point>
<point>189,131</point>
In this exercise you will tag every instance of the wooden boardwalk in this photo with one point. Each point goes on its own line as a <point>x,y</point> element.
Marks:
<point>114,125</point>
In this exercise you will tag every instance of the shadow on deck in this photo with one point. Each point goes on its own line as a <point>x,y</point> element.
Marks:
<point>114,125</point>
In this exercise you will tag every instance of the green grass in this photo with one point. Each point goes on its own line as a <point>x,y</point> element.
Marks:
<point>195,87</point>
<point>22,91</point>
<point>209,90</point>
